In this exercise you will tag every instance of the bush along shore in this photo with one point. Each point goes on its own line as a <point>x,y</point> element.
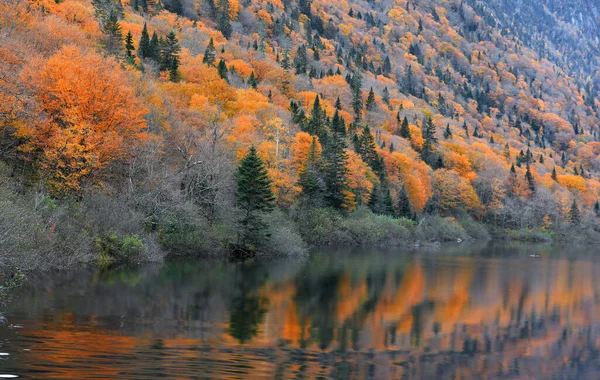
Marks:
<point>39,232</point>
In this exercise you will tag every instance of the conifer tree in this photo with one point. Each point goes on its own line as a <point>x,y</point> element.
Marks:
<point>529,178</point>
<point>507,151</point>
<point>129,45</point>
<point>170,60</point>
<point>222,70</point>
<point>367,150</point>
<point>144,46</point>
<point>429,140</point>
<point>554,177</point>
<point>223,17</point>
<point>113,36</point>
<point>154,48</point>
<point>447,132</point>
<point>404,129</point>
<point>254,198</point>
<point>301,60</point>
<point>252,81</point>
<point>210,53</point>
<point>335,172</point>
<point>309,181</point>
<point>338,125</point>
<point>404,210</point>
<point>371,101</point>
<point>317,124</point>
<point>356,89</point>
<point>574,216</point>
<point>597,208</point>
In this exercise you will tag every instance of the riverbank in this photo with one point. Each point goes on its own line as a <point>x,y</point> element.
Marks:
<point>39,233</point>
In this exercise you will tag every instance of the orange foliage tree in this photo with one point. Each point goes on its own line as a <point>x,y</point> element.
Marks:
<point>90,117</point>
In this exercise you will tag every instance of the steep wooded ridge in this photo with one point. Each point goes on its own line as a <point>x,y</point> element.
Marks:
<point>372,122</point>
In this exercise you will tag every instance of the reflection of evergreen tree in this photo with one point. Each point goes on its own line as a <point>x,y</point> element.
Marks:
<point>248,308</point>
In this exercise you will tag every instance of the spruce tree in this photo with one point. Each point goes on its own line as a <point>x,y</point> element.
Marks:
<point>371,101</point>
<point>113,37</point>
<point>210,53</point>
<point>254,199</point>
<point>129,45</point>
<point>335,171</point>
<point>154,48</point>
<point>597,208</point>
<point>367,150</point>
<point>574,216</point>
<point>447,132</point>
<point>404,210</point>
<point>529,178</point>
<point>356,89</point>
<point>429,141</point>
<point>252,81</point>
<point>338,125</point>
<point>144,46</point>
<point>170,60</point>
<point>222,70</point>
<point>223,18</point>
<point>309,181</point>
<point>317,123</point>
<point>405,129</point>
<point>301,60</point>
<point>554,177</point>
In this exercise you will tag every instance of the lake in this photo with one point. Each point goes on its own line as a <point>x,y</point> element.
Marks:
<point>460,311</point>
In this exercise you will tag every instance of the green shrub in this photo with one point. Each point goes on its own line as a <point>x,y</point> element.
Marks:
<point>435,228</point>
<point>114,249</point>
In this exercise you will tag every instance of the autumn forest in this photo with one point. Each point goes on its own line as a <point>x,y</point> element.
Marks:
<point>131,129</point>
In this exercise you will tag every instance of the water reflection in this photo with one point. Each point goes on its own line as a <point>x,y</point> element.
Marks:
<point>491,311</point>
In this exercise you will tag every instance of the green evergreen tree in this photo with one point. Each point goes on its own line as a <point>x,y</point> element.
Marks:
<point>113,36</point>
<point>529,178</point>
<point>404,210</point>
<point>554,177</point>
<point>223,18</point>
<point>356,89</point>
<point>129,48</point>
<point>317,123</point>
<point>252,81</point>
<point>170,59</point>
<point>210,54</point>
<point>429,141</point>
<point>154,48</point>
<point>367,150</point>
<point>338,124</point>
<point>597,208</point>
<point>507,152</point>
<point>466,128</point>
<point>405,129</point>
<point>574,216</point>
<point>335,171</point>
<point>371,101</point>
<point>254,199</point>
<point>301,60</point>
<point>309,180</point>
<point>222,70</point>
<point>144,46</point>
<point>447,132</point>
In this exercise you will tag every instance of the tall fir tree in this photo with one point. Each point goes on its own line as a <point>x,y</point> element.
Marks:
<point>529,178</point>
<point>113,36</point>
<point>405,129</point>
<point>447,132</point>
<point>301,60</point>
<point>574,216</point>
<point>210,54</point>
<point>317,123</point>
<point>254,199</point>
<point>222,70</point>
<point>154,48</point>
<point>170,59</point>
<point>252,81</point>
<point>309,177</point>
<point>370,106</point>
<point>129,48</point>
<point>144,45</point>
<point>356,89</point>
<point>429,141</point>
<point>335,171</point>
<point>404,210</point>
<point>223,17</point>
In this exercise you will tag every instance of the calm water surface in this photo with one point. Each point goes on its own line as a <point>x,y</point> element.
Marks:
<point>464,311</point>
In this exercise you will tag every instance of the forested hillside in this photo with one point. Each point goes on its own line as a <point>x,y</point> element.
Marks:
<point>196,126</point>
